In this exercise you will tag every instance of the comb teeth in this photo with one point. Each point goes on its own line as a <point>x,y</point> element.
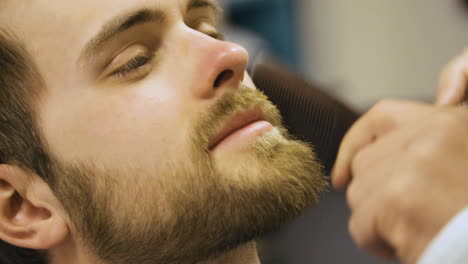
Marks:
<point>308,113</point>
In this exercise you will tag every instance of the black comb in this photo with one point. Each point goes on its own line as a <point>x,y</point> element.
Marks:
<point>308,113</point>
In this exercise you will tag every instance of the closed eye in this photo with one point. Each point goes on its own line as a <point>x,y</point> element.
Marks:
<point>133,66</point>
<point>217,35</point>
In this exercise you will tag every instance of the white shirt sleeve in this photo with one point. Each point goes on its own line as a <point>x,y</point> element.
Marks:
<point>450,246</point>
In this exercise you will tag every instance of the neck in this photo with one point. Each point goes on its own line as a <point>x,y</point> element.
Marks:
<point>244,254</point>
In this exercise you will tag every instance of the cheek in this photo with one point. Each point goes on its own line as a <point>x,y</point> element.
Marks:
<point>118,126</point>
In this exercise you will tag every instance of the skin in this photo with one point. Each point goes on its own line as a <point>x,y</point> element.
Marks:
<point>403,167</point>
<point>131,145</point>
<point>453,84</point>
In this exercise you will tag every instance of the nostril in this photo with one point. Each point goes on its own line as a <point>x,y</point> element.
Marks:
<point>223,77</point>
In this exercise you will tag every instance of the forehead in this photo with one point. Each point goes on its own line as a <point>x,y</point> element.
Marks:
<point>71,10</point>
<point>54,30</point>
<point>39,17</point>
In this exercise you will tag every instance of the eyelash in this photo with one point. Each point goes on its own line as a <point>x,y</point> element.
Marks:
<point>217,35</point>
<point>142,60</point>
<point>133,65</point>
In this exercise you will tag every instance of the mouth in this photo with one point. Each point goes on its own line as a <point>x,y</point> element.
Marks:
<point>241,127</point>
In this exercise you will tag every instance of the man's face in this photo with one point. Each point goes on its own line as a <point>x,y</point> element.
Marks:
<point>142,111</point>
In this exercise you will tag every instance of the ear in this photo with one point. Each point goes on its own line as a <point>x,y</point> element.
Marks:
<point>30,215</point>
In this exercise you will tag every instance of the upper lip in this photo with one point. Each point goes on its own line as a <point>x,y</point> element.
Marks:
<point>236,122</point>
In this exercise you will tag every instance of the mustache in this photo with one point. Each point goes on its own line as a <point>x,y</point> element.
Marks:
<point>230,103</point>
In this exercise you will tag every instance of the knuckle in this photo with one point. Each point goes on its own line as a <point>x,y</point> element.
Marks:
<point>396,229</point>
<point>351,196</point>
<point>388,107</point>
<point>391,200</point>
<point>384,105</point>
<point>427,148</point>
<point>360,172</point>
<point>394,198</point>
<point>359,232</point>
<point>355,232</point>
<point>424,153</point>
<point>401,197</point>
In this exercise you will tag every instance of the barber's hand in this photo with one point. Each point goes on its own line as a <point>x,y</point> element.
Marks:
<point>405,167</point>
<point>453,84</point>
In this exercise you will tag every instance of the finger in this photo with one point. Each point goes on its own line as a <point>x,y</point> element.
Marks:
<point>381,119</point>
<point>370,167</point>
<point>453,84</point>
<point>362,230</point>
<point>373,166</point>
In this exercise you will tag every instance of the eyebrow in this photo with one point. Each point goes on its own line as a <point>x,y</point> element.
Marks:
<point>121,23</point>
<point>129,20</point>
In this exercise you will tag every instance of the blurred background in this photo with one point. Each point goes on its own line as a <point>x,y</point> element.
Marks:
<point>359,51</point>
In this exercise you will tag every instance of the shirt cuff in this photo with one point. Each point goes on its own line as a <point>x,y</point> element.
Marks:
<point>450,246</point>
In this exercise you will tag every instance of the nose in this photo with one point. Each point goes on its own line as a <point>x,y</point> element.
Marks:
<point>219,64</point>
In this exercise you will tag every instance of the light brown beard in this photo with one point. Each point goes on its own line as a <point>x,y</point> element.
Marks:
<point>194,209</point>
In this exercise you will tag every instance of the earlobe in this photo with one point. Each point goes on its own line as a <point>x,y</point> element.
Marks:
<point>29,215</point>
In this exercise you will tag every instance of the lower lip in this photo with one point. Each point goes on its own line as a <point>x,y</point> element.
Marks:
<point>244,135</point>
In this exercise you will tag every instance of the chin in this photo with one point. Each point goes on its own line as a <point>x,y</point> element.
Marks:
<point>253,160</point>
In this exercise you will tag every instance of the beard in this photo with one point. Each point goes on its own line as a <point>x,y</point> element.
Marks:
<point>192,207</point>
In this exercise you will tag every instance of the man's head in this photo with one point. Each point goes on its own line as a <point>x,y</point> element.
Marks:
<point>121,132</point>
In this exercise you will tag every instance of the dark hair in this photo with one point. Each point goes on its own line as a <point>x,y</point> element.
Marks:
<point>20,144</point>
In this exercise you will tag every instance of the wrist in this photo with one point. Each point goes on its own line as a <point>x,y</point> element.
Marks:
<point>449,245</point>
<point>415,232</point>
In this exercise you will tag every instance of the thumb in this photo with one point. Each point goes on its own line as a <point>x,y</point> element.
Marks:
<point>453,83</point>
